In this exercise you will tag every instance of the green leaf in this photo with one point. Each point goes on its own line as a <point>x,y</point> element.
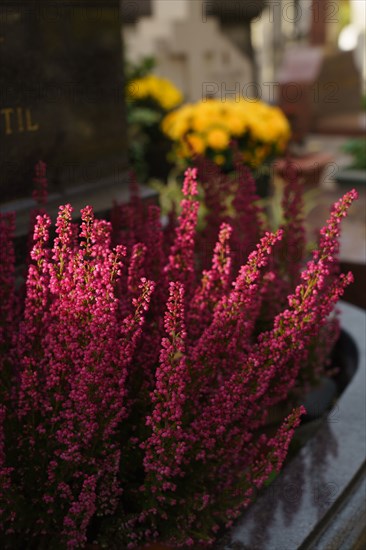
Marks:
<point>144,116</point>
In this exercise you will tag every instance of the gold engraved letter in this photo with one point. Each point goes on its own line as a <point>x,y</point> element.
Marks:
<point>31,127</point>
<point>20,119</point>
<point>7,116</point>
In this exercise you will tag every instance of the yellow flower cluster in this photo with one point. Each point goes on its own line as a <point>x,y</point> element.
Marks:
<point>153,87</point>
<point>210,125</point>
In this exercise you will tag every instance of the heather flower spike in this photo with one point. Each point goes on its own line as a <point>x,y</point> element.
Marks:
<point>40,195</point>
<point>214,284</point>
<point>40,183</point>
<point>136,379</point>
<point>7,280</point>
<point>164,450</point>
<point>180,266</point>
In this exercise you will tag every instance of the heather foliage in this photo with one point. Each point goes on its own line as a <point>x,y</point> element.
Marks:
<point>134,382</point>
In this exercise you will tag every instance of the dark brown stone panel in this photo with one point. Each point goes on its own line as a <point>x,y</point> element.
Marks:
<point>61,93</point>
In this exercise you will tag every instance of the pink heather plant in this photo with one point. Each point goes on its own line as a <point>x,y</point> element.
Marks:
<point>134,386</point>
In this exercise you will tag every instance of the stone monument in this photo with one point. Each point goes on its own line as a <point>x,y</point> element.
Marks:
<point>316,87</point>
<point>189,46</point>
<point>61,100</point>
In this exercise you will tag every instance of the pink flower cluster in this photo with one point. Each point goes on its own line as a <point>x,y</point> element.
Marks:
<point>134,385</point>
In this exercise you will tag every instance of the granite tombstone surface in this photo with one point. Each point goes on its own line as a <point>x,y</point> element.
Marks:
<point>317,86</point>
<point>61,95</point>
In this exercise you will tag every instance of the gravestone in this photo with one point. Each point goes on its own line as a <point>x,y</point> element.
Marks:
<point>61,98</point>
<point>206,65</point>
<point>235,21</point>
<point>315,86</point>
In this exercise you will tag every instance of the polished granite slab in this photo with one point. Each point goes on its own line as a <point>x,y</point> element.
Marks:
<point>61,94</point>
<point>318,500</point>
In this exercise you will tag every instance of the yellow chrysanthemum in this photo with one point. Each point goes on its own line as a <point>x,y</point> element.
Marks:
<point>219,159</point>
<point>197,143</point>
<point>218,139</point>
<point>236,124</point>
<point>215,122</point>
<point>200,122</point>
<point>159,89</point>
